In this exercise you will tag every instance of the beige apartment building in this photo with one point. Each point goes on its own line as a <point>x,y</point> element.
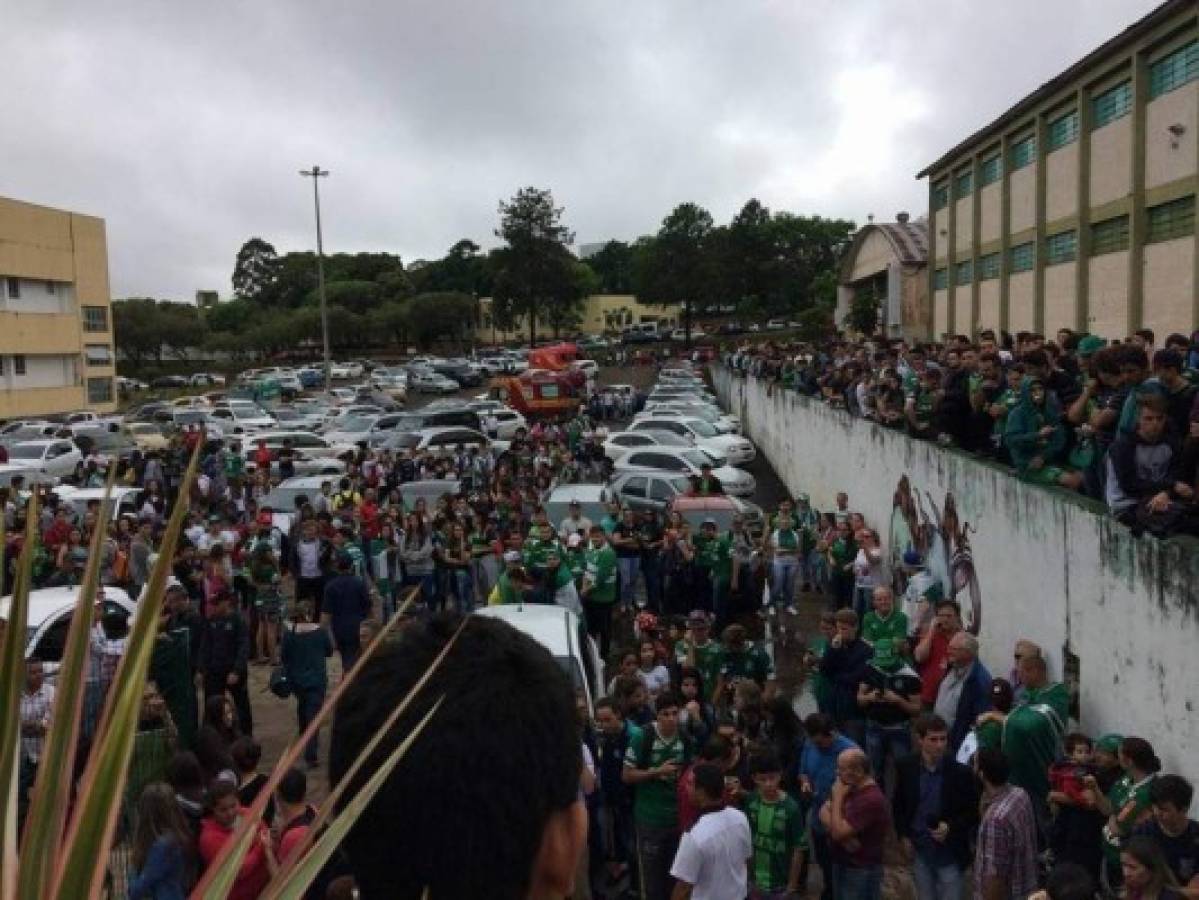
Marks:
<point>56,342</point>
<point>1076,207</point>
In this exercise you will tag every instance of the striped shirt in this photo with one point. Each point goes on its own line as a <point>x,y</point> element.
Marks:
<point>1007,844</point>
<point>35,710</point>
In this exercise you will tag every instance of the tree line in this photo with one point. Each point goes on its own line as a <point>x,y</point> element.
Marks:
<point>760,265</point>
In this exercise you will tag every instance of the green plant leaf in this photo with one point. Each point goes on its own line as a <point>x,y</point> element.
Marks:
<point>51,790</point>
<point>311,863</point>
<point>84,856</point>
<point>218,878</point>
<point>12,677</point>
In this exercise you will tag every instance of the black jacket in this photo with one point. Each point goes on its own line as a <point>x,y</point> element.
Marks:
<point>1135,483</point>
<point>845,667</point>
<point>959,802</point>
<point>226,646</point>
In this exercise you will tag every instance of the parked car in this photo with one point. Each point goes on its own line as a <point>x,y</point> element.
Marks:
<point>776,325</point>
<point>185,419</point>
<point>503,423</point>
<point>459,370</point>
<point>433,383</point>
<point>147,436</point>
<point>347,370</point>
<point>49,621</point>
<point>206,379</point>
<point>593,500</point>
<point>439,442</point>
<point>695,510</point>
<point>312,454</point>
<point>736,449</point>
<point>311,378</point>
<point>648,490</point>
<point>432,416</point>
<point>125,500</point>
<point>29,475</point>
<point>242,417</point>
<point>53,456</point>
<point>681,335</point>
<point>564,635</point>
<point>169,381</point>
<point>685,461</point>
<point>620,443</point>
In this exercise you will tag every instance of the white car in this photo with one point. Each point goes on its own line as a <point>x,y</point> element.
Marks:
<point>438,442</point>
<point>679,334</point>
<point>312,454</point>
<point>30,475</point>
<point>723,423</point>
<point>50,611</point>
<point>125,500</point>
<point>351,430</point>
<point>776,325</point>
<point>55,457</point>
<point>347,370</point>
<point>503,424</point>
<point>564,635</point>
<point>432,383</point>
<point>588,367</point>
<point>622,442</point>
<point>685,461</point>
<point>736,449</point>
<point>243,417</point>
<point>206,379</point>
<point>395,386</point>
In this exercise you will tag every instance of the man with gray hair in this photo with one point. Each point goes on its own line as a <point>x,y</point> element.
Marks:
<point>965,691</point>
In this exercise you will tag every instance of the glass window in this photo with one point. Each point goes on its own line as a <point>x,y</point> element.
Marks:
<point>98,355</point>
<point>1173,71</point>
<point>634,487</point>
<point>940,279</point>
<point>1062,131</point>
<point>14,288</point>
<point>1022,257</point>
<point>99,390</point>
<point>1168,221</point>
<point>661,490</point>
<point>95,318</point>
<point>963,272</point>
<point>1112,104</point>
<point>990,170</point>
<point>1109,236</point>
<point>941,195</point>
<point>18,364</point>
<point>988,266</point>
<point>963,185</point>
<point>1061,247</point>
<point>1023,152</point>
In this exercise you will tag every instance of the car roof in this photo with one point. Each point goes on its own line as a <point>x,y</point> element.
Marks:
<point>41,442</point>
<point>48,602</point>
<point>584,493</point>
<point>554,627</point>
<point>66,492</point>
<point>304,481</point>
<point>684,503</point>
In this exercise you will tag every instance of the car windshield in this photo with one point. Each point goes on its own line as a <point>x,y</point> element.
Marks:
<point>354,423</point>
<point>405,440</point>
<point>696,457</point>
<point>190,418</point>
<point>25,451</point>
<point>571,667</point>
<point>702,428</point>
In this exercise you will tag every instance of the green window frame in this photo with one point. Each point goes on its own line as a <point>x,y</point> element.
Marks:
<point>1023,152</point>
<point>1109,236</point>
<point>963,185</point>
<point>990,170</point>
<point>1062,131</point>
<point>988,267</point>
<point>1112,104</point>
<point>1168,221</point>
<point>940,279</point>
<point>941,195</point>
<point>1061,247</point>
<point>1022,257</point>
<point>963,272</point>
<point>1173,71</point>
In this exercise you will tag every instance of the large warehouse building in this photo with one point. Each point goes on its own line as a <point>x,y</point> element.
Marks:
<point>56,342</point>
<point>1076,207</point>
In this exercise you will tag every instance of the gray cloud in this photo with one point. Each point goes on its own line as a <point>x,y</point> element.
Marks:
<point>184,125</point>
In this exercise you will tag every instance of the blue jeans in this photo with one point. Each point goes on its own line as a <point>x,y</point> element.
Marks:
<point>937,882</point>
<point>782,580</point>
<point>863,600</point>
<point>463,589</point>
<point>308,704</point>
<point>628,567</point>
<point>881,738</point>
<point>857,883</point>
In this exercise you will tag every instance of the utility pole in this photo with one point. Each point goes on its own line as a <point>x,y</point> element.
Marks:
<point>316,173</point>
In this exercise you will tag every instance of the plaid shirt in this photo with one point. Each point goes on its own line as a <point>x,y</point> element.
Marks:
<point>35,710</point>
<point>1007,844</point>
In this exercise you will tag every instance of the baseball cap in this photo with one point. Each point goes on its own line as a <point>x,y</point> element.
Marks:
<point>1110,743</point>
<point>1090,345</point>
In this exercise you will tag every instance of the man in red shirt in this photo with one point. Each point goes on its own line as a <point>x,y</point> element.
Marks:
<point>262,457</point>
<point>858,818</point>
<point>58,532</point>
<point>216,829</point>
<point>932,650</point>
<point>294,815</point>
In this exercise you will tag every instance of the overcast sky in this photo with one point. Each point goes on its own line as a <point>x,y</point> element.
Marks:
<point>184,125</point>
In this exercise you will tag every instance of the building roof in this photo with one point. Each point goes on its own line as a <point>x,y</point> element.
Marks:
<point>1126,37</point>
<point>908,239</point>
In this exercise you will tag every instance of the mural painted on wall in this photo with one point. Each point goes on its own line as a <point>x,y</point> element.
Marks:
<point>931,557</point>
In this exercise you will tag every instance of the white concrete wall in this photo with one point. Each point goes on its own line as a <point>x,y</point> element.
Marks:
<point>1050,567</point>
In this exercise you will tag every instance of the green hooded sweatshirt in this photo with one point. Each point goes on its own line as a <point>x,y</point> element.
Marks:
<point>1024,423</point>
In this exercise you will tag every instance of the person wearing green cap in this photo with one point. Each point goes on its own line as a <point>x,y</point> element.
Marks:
<point>889,695</point>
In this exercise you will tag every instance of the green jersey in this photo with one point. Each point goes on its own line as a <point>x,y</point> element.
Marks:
<point>234,464</point>
<point>1032,736</point>
<point>821,687</point>
<point>777,829</point>
<point>600,573</point>
<point>655,802</point>
<point>750,662</point>
<point>716,556</point>
<point>1008,400</point>
<point>708,658</point>
<point>895,626</point>
<point>535,551</point>
<point>506,590</point>
<point>1130,802</point>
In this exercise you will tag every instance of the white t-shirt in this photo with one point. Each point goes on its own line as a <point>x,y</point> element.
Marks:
<point>655,679</point>
<point>713,855</point>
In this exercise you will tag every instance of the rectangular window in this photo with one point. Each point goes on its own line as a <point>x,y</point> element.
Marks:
<point>990,170</point>
<point>988,266</point>
<point>940,279</point>
<point>940,196</point>
<point>963,185</point>
<point>1168,221</point>
<point>95,318</point>
<point>1173,71</point>
<point>1022,257</point>
<point>1061,247</point>
<point>18,364</point>
<point>14,288</point>
<point>99,390</point>
<point>98,355</point>
<point>1109,236</point>
<point>1024,152</point>
<point>963,272</point>
<point>50,287</point>
<point>1112,104</point>
<point>1062,131</point>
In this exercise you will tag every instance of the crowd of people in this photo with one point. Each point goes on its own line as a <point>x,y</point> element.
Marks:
<point>1118,422</point>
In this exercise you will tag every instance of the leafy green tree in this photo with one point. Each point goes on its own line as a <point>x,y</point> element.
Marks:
<point>674,266</point>
<point>535,273</point>
<point>148,330</point>
<point>815,324</point>
<point>229,316</point>
<point>255,269</point>
<point>357,296</point>
<point>862,315</point>
<point>391,322</point>
<point>613,266</point>
<point>438,316</point>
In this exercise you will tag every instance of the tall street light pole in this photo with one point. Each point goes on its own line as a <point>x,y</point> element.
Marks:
<point>316,173</point>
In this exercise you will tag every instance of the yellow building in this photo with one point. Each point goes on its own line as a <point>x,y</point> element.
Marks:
<point>1076,207</point>
<point>600,314</point>
<point>56,343</point>
<point>886,263</point>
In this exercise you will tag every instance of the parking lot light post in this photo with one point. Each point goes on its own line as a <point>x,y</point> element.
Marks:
<point>316,173</point>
